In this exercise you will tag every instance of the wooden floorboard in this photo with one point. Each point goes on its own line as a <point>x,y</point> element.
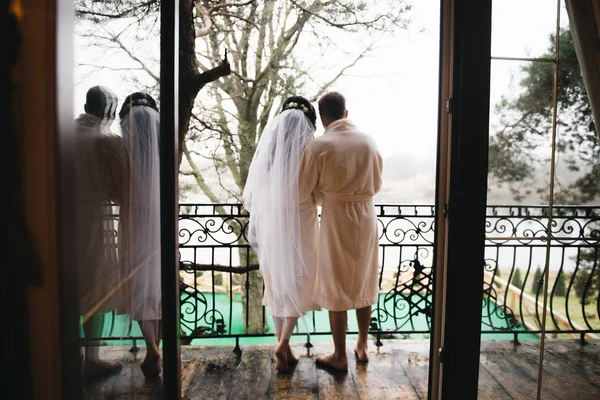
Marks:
<point>489,387</point>
<point>583,361</point>
<point>299,383</point>
<point>414,363</point>
<point>397,370</point>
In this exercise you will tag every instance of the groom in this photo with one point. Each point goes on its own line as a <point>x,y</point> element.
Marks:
<point>342,168</point>
<point>101,177</point>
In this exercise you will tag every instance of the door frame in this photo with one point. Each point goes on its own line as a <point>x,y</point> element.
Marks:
<point>169,196</point>
<point>461,197</point>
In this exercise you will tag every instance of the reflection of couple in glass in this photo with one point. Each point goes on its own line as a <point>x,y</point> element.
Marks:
<point>118,272</point>
<point>307,265</point>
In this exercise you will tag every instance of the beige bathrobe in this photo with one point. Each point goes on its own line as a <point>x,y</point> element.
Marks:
<point>343,168</point>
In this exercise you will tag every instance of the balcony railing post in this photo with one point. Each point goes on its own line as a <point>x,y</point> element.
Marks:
<point>237,350</point>
<point>515,341</point>
<point>308,344</point>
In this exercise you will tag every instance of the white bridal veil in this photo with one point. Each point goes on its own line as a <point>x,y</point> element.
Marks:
<point>271,198</point>
<point>140,129</point>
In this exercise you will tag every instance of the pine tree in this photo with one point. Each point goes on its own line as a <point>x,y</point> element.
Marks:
<point>560,287</point>
<point>517,280</point>
<point>538,282</point>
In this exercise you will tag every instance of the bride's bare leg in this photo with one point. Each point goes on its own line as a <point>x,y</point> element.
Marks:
<point>283,353</point>
<point>278,322</point>
<point>151,364</point>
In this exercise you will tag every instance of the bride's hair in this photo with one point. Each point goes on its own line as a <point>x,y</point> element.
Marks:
<point>301,103</point>
<point>137,99</point>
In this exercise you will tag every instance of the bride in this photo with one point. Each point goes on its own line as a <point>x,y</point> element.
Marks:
<point>140,126</point>
<point>283,232</point>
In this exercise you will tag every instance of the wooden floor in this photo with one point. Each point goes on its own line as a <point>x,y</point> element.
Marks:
<point>398,370</point>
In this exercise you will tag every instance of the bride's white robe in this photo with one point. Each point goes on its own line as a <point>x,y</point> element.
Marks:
<point>344,167</point>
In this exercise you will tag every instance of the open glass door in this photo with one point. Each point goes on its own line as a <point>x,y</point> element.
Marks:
<point>119,196</point>
<point>541,268</point>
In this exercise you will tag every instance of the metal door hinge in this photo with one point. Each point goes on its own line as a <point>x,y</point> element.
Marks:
<point>441,354</point>
<point>449,106</point>
<point>445,210</point>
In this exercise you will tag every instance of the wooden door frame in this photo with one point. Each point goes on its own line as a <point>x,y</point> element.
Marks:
<point>42,116</point>
<point>461,197</point>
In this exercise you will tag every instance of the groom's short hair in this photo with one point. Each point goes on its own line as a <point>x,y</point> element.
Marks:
<point>332,106</point>
<point>101,102</point>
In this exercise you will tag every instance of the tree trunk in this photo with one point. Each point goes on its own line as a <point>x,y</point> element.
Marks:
<point>187,68</point>
<point>252,295</point>
<point>191,81</point>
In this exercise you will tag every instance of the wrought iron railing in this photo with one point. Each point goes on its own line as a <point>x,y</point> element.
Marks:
<point>216,266</point>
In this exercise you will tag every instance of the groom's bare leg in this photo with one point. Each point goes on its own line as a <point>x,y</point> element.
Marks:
<point>363,318</point>
<point>338,360</point>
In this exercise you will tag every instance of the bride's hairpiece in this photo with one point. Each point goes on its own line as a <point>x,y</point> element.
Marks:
<point>293,105</point>
<point>138,102</point>
<point>302,104</point>
<point>137,99</point>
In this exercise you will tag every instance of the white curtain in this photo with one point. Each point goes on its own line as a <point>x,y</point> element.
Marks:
<point>584,18</point>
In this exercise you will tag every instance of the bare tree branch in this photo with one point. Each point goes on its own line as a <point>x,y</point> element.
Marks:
<point>328,21</point>
<point>208,13</point>
<point>143,65</point>
<point>211,75</point>
<point>327,85</point>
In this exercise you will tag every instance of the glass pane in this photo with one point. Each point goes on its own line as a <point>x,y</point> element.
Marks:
<point>517,220</point>
<point>565,305</point>
<point>573,305</point>
<point>523,28</point>
<point>118,258</point>
<point>520,131</point>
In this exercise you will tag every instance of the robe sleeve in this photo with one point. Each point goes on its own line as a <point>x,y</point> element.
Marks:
<point>379,173</point>
<point>308,178</point>
<point>121,175</point>
<point>119,169</point>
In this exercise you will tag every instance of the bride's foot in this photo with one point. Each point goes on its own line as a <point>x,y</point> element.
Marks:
<point>151,366</point>
<point>281,356</point>
<point>292,359</point>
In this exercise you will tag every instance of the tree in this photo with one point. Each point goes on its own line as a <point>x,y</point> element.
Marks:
<point>275,48</point>
<point>526,121</point>
<point>560,286</point>
<point>538,281</point>
<point>587,277</point>
<point>517,280</point>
